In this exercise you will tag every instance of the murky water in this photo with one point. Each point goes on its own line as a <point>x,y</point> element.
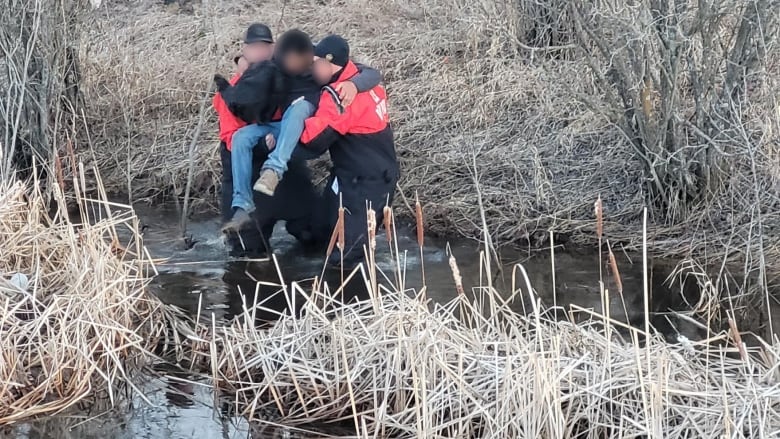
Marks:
<point>203,277</point>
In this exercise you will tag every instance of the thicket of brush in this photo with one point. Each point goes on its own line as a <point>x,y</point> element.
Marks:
<point>75,320</point>
<point>542,104</point>
<point>39,81</point>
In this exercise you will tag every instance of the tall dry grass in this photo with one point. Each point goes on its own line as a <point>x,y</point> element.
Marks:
<point>396,365</point>
<point>76,322</point>
<point>501,87</point>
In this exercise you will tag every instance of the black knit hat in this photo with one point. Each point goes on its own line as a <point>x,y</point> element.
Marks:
<point>334,49</point>
<point>258,32</point>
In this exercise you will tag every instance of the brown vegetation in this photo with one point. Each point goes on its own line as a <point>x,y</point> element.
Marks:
<point>39,80</point>
<point>397,366</point>
<point>546,105</point>
<point>75,320</point>
<point>511,118</point>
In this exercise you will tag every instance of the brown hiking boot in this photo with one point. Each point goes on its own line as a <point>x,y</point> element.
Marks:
<point>240,218</point>
<point>267,182</point>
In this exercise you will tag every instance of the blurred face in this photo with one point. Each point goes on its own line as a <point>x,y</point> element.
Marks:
<point>257,52</point>
<point>297,63</point>
<point>323,70</point>
<point>242,65</point>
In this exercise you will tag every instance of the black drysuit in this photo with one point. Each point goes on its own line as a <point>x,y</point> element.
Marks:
<point>365,166</point>
<point>294,203</point>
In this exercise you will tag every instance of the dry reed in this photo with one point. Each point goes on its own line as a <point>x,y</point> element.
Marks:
<point>75,321</point>
<point>401,367</point>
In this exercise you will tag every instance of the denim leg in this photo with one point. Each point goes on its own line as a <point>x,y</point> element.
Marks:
<point>289,135</point>
<point>244,142</point>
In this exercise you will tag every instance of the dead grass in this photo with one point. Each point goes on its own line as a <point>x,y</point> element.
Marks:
<point>75,320</point>
<point>397,365</point>
<point>467,96</point>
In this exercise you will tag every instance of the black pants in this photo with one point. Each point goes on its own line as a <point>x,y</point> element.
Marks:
<point>357,195</point>
<point>294,202</point>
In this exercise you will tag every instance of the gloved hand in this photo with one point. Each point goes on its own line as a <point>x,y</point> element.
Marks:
<point>222,83</point>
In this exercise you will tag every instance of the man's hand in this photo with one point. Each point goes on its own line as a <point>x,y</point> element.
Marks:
<point>347,92</point>
<point>221,82</point>
<point>270,141</point>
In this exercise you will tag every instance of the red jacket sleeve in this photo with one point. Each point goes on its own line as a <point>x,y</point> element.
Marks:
<point>319,132</point>
<point>328,112</point>
<point>228,123</point>
<point>366,115</point>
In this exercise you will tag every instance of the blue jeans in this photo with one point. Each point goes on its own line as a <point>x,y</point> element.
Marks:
<point>244,142</point>
<point>289,135</point>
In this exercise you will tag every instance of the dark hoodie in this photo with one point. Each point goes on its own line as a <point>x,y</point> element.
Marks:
<point>258,94</point>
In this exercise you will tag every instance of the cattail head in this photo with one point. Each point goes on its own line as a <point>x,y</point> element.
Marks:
<point>58,171</point>
<point>599,210</point>
<point>456,276</point>
<point>340,228</point>
<point>387,218</point>
<point>418,213</point>
<point>333,239</point>
<point>615,272</point>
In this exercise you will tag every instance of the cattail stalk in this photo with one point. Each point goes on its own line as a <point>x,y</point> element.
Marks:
<point>418,213</point>
<point>371,223</point>
<point>599,211</point>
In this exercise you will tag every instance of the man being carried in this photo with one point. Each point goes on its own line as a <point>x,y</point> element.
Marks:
<point>360,140</point>
<point>293,58</point>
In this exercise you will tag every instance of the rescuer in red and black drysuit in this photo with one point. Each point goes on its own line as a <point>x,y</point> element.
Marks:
<point>360,140</point>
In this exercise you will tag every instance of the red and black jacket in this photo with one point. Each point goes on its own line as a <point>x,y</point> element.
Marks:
<point>359,136</point>
<point>228,122</point>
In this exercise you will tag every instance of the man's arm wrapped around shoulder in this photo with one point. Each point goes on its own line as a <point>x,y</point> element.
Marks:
<point>367,78</point>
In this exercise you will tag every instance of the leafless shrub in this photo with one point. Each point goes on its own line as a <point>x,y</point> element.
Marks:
<point>39,78</point>
<point>676,78</point>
